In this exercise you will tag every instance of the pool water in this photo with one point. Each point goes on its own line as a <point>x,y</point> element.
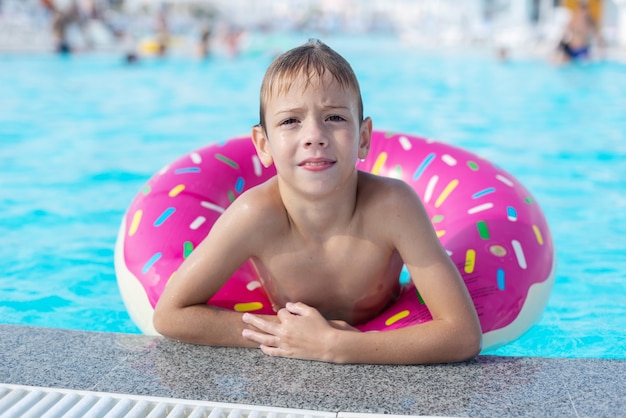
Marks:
<point>80,135</point>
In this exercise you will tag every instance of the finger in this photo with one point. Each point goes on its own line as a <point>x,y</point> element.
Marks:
<point>298,308</point>
<point>260,338</point>
<point>260,323</point>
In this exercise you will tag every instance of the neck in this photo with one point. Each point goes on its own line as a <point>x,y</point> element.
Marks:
<point>317,217</point>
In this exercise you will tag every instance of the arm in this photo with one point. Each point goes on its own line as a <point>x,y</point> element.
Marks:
<point>181,312</point>
<point>454,334</point>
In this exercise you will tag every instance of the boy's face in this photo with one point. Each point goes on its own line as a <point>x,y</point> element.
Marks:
<point>313,135</point>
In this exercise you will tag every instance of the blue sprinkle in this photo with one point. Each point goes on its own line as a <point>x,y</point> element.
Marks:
<point>150,262</point>
<point>500,278</point>
<point>239,184</point>
<point>429,158</point>
<point>187,170</point>
<point>511,212</point>
<point>483,192</point>
<point>166,214</point>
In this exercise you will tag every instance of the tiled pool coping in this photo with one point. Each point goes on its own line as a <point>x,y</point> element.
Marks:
<point>144,365</point>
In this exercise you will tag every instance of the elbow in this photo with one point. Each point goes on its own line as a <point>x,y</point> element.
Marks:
<point>161,323</point>
<point>470,346</point>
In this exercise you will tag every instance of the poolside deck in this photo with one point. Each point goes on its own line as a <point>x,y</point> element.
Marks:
<point>488,386</point>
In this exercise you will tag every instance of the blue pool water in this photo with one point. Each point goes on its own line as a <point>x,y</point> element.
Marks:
<point>80,135</point>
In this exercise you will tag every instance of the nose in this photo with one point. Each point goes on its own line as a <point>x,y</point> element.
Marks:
<point>314,135</point>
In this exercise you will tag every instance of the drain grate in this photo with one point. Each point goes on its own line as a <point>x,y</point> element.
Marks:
<point>27,401</point>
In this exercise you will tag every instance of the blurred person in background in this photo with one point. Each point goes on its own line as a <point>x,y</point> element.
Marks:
<point>578,37</point>
<point>64,13</point>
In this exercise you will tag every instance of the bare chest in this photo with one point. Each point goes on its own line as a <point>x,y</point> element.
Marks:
<point>346,278</point>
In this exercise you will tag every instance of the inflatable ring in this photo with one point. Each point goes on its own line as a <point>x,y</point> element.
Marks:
<point>490,225</point>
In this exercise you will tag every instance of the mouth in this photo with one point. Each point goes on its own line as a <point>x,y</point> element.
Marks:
<point>316,163</point>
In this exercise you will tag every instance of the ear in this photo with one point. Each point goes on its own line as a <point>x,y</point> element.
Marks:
<point>262,145</point>
<point>365,137</point>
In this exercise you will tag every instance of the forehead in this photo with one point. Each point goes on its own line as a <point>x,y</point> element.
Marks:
<point>298,84</point>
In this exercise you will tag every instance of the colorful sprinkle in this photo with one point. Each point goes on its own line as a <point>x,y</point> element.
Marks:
<point>446,192</point>
<point>440,233</point>
<point>484,192</point>
<point>397,172</point>
<point>187,248</point>
<point>195,158</point>
<point>483,231</point>
<point>247,307</point>
<point>437,218</point>
<point>528,200</point>
<point>500,279</point>
<point>504,180</point>
<point>480,208</point>
<point>150,262</point>
<point>405,143</point>
<point>430,187</point>
<point>135,222</point>
<point>448,159</point>
<point>470,261</point>
<point>473,166</point>
<point>176,190</point>
<point>422,167</point>
<point>255,284</point>
<point>186,170</point>
<point>538,234</point>
<point>146,189</point>
<point>231,196</point>
<point>256,164</point>
<point>498,250</point>
<point>239,184</point>
<point>212,206</point>
<point>227,161</point>
<point>197,222</point>
<point>511,213</point>
<point>380,161</point>
<point>163,217</point>
<point>395,318</point>
<point>519,254</point>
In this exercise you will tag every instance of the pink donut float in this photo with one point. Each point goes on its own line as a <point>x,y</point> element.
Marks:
<point>490,225</point>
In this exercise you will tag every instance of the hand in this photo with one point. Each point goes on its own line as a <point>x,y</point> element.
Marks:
<point>301,332</point>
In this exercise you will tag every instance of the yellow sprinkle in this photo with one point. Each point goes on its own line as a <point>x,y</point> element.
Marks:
<point>440,233</point>
<point>392,320</point>
<point>135,223</point>
<point>380,161</point>
<point>446,192</point>
<point>246,307</point>
<point>538,234</point>
<point>470,261</point>
<point>176,190</point>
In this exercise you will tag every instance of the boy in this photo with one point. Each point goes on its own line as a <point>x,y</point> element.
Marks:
<point>328,240</point>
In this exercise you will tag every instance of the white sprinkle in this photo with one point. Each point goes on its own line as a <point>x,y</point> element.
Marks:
<point>406,144</point>
<point>253,285</point>
<point>428,193</point>
<point>164,169</point>
<point>448,159</point>
<point>480,208</point>
<point>519,253</point>
<point>195,158</point>
<point>212,206</point>
<point>197,222</point>
<point>258,169</point>
<point>504,180</point>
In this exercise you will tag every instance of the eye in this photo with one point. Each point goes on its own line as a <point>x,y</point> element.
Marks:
<point>336,118</point>
<point>289,121</point>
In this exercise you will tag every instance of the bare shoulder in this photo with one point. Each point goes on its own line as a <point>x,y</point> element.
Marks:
<point>259,207</point>
<point>386,192</point>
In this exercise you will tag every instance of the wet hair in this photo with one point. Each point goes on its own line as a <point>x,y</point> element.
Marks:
<point>310,60</point>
